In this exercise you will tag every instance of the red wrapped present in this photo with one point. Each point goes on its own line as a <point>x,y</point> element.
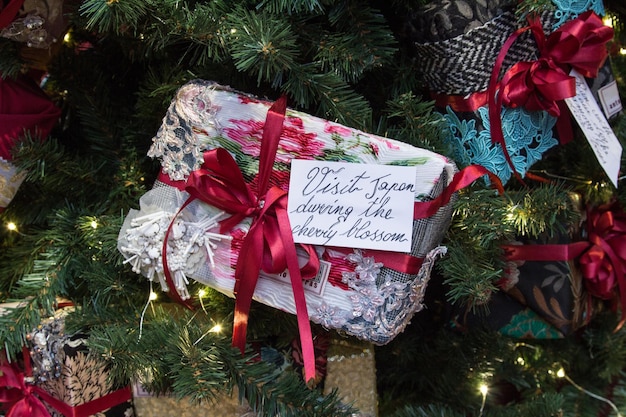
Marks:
<point>24,110</point>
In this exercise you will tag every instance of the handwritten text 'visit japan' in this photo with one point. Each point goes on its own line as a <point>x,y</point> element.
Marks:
<point>352,205</point>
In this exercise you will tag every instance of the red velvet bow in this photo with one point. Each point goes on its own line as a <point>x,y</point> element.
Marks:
<point>543,84</point>
<point>269,244</point>
<point>604,263</point>
<point>23,107</point>
<point>17,397</point>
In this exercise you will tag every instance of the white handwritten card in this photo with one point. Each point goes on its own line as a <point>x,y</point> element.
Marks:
<point>596,128</point>
<point>364,206</point>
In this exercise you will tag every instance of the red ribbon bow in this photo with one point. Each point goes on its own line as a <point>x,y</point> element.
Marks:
<point>604,263</point>
<point>544,84</point>
<point>268,245</point>
<point>17,396</point>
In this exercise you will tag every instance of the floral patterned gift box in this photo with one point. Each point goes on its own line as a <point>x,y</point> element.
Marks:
<point>213,146</point>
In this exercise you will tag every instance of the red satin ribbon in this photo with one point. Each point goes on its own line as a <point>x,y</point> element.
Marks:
<point>269,244</point>
<point>409,264</point>
<point>8,13</point>
<point>461,179</point>
<point>604,263</point>
<point>544,83</point>
<point>602,258</point>
<point>22,399</point>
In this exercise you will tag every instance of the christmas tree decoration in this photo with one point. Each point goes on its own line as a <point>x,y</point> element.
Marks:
<point>352,371</point>
<point>37,23</point>
<point>118,203</point>
<point>164,405</point>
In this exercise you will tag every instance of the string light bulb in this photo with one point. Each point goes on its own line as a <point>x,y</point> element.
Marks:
<point>94,224</point>
<point>153,296</point>
<point>484,389</point>
<point>215,329</point>
<point>11,226</point>
<point>561,374</point>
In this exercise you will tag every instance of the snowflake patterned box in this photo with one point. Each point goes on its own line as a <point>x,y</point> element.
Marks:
<point>500,82</point>
<point>69,379</point>
<point>213,147</point>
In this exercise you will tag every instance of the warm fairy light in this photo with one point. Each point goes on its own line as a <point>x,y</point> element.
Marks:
<point>521,361</point>
<point>622,51</point>
<point>11,226</point>
<point>153,296</point>
<point>94,224</point>
<point>216,329</point>
<point>202,293</point>
<point>608,21</point>
<point>561,374</point>
<point>67,38</point>
<point>484,389</point>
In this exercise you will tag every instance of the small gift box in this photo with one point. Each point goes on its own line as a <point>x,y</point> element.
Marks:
<point>254,196</point>
<point>537,298</point>
<point>24,109</point>
<point>501,83</point>
<point>60,378</point>
<point>553,287</point>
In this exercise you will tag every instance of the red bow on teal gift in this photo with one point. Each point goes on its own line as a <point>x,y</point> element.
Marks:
<point>543,84</point>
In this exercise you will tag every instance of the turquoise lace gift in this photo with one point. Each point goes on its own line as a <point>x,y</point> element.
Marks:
<point>570,9</point>
<point>528,136</point>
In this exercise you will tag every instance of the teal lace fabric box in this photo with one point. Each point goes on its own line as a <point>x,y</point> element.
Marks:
<point>457,45</point>
<point>357,291</point>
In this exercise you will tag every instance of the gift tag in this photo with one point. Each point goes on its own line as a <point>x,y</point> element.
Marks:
<point>609,98</point>
<point>596,128</point>
<point>365,206</point>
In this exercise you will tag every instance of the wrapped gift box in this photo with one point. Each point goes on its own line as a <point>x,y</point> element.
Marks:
<point>357,291</point>
<point>457,46</point>
<point>149,405</point>
<point>537,300</point>
<point>64,368</point>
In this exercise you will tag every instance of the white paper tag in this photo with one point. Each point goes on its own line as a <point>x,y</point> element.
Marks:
<point>364,206</point>
<point>610,100</point>
<point>596,128</point>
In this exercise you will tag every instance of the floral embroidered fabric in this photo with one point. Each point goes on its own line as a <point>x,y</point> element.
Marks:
<point>353,292</point>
